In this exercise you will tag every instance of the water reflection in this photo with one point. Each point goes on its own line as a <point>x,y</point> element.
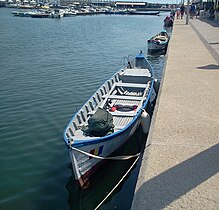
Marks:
<point>157,61</point>
<point>107,176</point>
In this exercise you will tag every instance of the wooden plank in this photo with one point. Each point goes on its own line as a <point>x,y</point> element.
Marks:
<point>132,85</point>
<point>135,98</point>
<point>123,114</point>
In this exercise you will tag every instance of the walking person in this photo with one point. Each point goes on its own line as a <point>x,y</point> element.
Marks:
<point>192,11</point>
<point>182,10</point>
<point>197,11</point>
<point>177,12</point>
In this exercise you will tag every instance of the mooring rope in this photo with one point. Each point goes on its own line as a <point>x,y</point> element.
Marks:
<point>124,157</point>
<point>112,158</point>
<point>118,183</point>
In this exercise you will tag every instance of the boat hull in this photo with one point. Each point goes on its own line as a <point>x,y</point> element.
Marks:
<point>40,15</point>
<point>156,46</point>
<point>168,23</point>
<point>84,166</point>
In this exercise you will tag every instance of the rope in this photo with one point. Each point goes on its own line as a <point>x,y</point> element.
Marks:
<point>118,183</point>
<point>125,157</point>
<point>112,158</point>
<point>127,172</point>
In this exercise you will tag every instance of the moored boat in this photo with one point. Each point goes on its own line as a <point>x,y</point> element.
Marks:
<point>109,118</point>
<point>159,41</point>
<point>40,14</point>
<point>22,13</point>
<point>70,13</point>
<point>2,3</point>
<point>168,21</point>
<point>57,13</point>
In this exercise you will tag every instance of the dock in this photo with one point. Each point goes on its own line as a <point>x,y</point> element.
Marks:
<point>180,165</point>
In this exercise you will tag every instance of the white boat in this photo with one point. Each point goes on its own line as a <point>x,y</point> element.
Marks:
<point>57,13</point>
<point>23,13</point>
<point>10,4</point>
<point>122,100</point>
<point>159,41</point>
<point>25,6</point>
<point>70,13</point>
<point>40,14</point>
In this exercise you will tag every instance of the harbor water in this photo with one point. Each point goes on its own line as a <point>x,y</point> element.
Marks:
<point>48,69</point>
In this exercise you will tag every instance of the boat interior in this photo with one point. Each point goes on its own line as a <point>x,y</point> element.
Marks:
<point>161,38</point>
<point>122,95</point>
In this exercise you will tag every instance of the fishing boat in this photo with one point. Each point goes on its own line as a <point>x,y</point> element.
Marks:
<point>159,41</point>
<point>109,118</point>
<point>168,21</point>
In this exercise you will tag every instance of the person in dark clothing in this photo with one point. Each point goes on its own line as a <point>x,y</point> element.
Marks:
<point>182,10</point>
<point>211,13</point>
<point>197,11</point>
<point>192,11</point>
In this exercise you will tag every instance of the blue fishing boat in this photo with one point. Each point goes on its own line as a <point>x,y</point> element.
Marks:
<point>109,118</point>
<point>159,41</point>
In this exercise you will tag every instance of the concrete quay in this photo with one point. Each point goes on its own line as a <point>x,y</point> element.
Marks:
<point>180,165</point>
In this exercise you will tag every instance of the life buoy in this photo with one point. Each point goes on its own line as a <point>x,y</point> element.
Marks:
<point>123,108</point>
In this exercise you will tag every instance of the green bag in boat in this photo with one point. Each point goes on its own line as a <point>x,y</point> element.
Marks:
<point>100,123</point>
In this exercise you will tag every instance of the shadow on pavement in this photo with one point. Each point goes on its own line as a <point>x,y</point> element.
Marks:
<point>213,42</point>
<point>210,22</point>
<point>170,185</point>
<point>209,67</point>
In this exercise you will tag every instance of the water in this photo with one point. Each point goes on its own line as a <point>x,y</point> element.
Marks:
<point>48,69</point>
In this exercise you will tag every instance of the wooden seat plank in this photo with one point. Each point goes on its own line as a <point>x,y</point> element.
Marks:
<point>132,85</point>
<point>126,97</point>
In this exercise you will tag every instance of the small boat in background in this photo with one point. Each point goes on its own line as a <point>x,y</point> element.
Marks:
<point>70,13</point>
<point>109,118</point>
<point>159,41</point>
<point>57,13</point>
<point>22,13</point>
<point>168,21</point>
<point>40,14</point>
